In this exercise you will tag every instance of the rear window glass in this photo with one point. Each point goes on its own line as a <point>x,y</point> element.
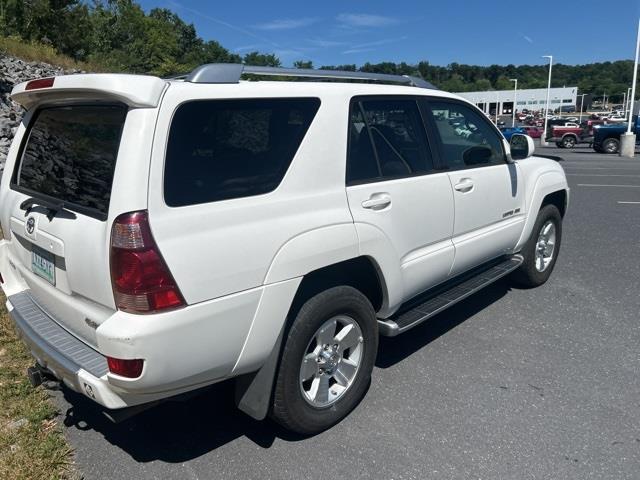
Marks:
<point>70,155</point>
<point>224,149</point>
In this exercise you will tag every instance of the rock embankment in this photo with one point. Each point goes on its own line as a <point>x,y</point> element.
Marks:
<point>14,71</point>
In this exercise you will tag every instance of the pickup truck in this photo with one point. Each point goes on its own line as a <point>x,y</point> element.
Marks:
<point>569,136</point>
<point>606,138</point>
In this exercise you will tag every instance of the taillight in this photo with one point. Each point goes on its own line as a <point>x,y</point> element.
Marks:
<point>142,282</point>
<point>39,83</point>
<point>125,368</point>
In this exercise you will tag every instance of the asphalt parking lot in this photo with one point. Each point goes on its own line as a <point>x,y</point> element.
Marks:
<point>509,384</point>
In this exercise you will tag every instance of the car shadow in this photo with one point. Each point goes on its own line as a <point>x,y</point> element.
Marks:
<point>395,349</point>
<point>178,431</point>
<point>175,431</point>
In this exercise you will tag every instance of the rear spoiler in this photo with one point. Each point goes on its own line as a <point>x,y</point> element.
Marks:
<point>133,90</point>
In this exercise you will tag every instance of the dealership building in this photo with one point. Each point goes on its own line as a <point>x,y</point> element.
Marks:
<point>530,99</point>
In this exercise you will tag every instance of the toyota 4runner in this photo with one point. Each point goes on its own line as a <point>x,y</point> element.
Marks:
<point>163,235</point>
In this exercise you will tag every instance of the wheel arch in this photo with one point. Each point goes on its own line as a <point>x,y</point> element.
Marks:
<point>253,391</point>
<point>550,187</point>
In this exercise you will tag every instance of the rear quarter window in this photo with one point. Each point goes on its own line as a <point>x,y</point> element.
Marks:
<point>224,149</point>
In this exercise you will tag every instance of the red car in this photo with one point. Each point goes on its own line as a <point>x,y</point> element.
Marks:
<point>533,132</point>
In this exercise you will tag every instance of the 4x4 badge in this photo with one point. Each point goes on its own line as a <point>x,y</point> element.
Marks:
<point>31,225</point>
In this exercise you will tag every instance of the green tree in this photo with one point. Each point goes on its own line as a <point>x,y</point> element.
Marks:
<point>303,64</point>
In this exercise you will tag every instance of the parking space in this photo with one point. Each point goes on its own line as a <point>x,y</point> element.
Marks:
<point>510,383</point>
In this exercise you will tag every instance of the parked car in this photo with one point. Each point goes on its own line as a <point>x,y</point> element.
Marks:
<point>164,235</point>
<point>568,136</point>
<point>533,132</point>
<point>509,131</point>
<point>606,138</point>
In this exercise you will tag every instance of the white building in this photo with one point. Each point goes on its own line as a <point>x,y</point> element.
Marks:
<point>530,99</point>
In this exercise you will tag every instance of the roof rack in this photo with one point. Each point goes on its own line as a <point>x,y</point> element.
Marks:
<point>232,72</point>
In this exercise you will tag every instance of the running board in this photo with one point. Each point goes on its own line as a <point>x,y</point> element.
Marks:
<point>446,296</point>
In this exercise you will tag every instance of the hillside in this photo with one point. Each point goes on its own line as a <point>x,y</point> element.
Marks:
<point>12,71</point>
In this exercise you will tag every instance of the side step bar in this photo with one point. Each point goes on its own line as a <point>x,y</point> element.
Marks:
<point>447,295</point>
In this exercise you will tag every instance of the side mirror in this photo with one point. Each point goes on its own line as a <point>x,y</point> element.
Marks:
<point>521,146</point>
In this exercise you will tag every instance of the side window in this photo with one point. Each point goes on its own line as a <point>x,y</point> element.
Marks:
<point>224,149</point>
<point>386,140</point>
<point>467,139</point>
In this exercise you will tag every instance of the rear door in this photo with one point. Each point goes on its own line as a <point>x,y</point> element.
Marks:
<point>55,205</point>
<point>488,191</point>
<point>396,194</point>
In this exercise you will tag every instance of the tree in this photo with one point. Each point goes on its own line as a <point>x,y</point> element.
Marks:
<point>303,64</point>
<point>261,59</point>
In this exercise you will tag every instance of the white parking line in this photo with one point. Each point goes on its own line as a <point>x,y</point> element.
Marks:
<point>630,203</point>
<point>600,175</point>
<point>602,185</point>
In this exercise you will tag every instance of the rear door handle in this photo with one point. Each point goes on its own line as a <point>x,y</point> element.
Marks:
<point>465,185</point>
<point>377,201</point>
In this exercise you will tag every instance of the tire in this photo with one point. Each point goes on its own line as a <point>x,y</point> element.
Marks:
<point>598,149</point>
<point>611,145</point>
<point>569,142</point>
<point>294,405</point>
<point>530,274</point>
<point>559,145</point>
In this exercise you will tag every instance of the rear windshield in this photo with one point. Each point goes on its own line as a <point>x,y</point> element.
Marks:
<point>223,149</point>
<point>70,156</point>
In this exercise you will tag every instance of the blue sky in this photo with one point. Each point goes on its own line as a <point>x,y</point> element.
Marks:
<point>464,31</point>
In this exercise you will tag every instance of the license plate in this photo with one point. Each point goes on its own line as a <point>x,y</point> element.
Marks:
<point>43,264</point>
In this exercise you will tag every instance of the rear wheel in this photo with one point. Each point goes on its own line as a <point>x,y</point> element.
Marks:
<point>327,361</point>
<point>541,250</point>
<point>559,145</point>
<point>569,142</point>
<point>611,145</point>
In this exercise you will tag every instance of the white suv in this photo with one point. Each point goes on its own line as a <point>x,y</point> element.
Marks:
<point>164,235</point>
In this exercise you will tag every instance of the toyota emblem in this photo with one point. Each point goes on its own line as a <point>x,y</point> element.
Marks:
<point>31,225</point>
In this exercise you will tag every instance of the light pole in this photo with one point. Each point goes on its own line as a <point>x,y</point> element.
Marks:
<point>624,103</point>
<point>626,106</point>
<point>497,101</point>
<point>515,98</point>
<point>543,142</point>
<point>628,140</point>
<point>581,106</point>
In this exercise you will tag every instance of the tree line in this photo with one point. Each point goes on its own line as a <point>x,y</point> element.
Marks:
<point>118,35</point>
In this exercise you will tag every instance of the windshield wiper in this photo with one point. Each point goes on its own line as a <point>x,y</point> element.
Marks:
<point>52,207</point>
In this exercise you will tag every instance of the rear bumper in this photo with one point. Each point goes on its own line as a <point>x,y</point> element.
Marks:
<point>77,365</point>
<point>183,349</point>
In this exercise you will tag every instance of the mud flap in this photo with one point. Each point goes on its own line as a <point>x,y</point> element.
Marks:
<point>253,390</point>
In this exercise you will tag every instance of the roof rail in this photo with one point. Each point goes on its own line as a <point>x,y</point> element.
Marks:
<point>232,72</point>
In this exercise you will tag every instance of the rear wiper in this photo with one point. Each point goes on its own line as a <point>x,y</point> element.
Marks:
<point>52,207</point>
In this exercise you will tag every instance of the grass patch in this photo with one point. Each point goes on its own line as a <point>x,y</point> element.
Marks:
<point>32,444</point>
<point>39,52</point>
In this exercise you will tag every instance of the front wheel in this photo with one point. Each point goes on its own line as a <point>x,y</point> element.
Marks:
<point>611,145</point>
<point>327,361</point>
<point>541,250</point>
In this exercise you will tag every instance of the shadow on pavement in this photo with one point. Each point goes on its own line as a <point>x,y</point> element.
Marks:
<point>179,431</point>
<point>175,431</point>
<point>396,349</point>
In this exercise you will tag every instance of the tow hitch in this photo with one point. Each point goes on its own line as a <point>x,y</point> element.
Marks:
<point>38,374</point>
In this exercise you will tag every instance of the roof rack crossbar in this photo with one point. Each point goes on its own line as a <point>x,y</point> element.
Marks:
<point>232,72</point>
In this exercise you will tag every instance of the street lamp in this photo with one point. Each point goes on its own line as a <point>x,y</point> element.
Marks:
<point>628,140</point>
<point>515,98</point>
<point>581,105</point>
<point>546,113</point>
